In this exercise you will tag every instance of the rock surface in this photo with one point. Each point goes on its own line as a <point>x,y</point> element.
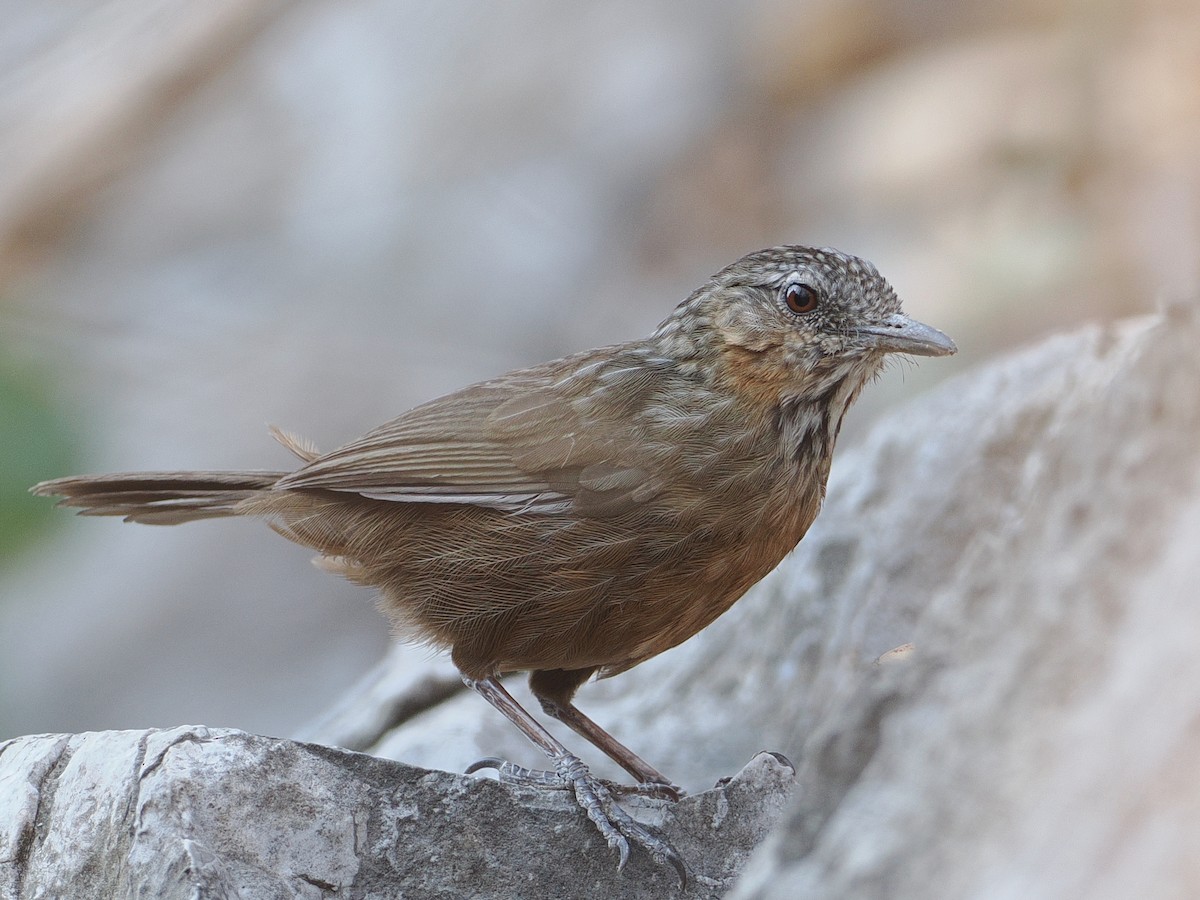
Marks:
<point>1041,741</point>
<point>195,812</point>
<point>1032,530</point>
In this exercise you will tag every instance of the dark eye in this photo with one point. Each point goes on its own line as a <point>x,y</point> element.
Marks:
<point>800,298</point>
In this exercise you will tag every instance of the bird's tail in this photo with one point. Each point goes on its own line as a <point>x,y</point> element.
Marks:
<point>158,498</point>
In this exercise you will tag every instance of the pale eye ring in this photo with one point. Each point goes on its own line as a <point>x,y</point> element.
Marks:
<point>800,298</point>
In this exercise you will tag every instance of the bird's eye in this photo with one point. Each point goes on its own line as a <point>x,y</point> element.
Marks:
<point>800,298</point>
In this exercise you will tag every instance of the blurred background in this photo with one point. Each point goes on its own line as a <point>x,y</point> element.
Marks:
<point>215,216</point>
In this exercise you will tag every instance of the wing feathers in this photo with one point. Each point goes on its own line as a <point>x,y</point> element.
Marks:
<point>528,442</point>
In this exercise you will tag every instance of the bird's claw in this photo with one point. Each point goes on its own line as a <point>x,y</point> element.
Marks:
<point>595,797</point>
<point>615,825</point>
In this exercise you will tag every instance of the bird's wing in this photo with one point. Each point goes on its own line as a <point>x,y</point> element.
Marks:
<point>533,441</point>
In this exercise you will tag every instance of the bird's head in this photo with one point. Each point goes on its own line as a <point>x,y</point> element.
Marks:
<point>791,319</point>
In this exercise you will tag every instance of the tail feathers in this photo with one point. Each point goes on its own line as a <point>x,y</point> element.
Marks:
<point>158,498</point>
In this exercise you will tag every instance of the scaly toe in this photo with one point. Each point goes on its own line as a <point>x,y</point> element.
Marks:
<point>656,789</point>
<point>615,825</point>
<point>511,773</point>
<point>662,852</point>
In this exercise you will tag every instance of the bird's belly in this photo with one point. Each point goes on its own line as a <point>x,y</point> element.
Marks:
<point>595,593</point>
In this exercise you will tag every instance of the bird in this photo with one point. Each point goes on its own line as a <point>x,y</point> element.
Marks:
<point>576,518</point>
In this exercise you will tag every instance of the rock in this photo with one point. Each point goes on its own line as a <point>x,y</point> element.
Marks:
<point>195,812</point>
<point>393,692</point>
<point>1030,529</point>
<point>1040,741</point>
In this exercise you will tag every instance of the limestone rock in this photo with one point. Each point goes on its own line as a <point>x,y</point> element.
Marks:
<point>1031,530</point>
<point>1040,741</point>
<point>193,812</point>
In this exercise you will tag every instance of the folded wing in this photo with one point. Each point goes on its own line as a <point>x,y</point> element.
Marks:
<point>532,441</point>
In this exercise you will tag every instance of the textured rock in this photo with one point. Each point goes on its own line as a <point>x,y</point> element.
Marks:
<point>1042,740</point>
<point>946,485</point>
<point>1031,529</point>
<point>197,813</point>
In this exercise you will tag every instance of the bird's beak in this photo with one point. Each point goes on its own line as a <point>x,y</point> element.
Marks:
<point>900,334</point>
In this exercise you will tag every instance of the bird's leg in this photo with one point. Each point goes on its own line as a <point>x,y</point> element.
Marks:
<point>615,825</point>
<point>650,781</point>
<point>554,689</point>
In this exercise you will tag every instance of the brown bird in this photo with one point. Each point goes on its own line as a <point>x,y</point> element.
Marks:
<point>578,517</point>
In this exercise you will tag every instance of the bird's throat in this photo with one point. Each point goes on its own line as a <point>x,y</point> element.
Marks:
<point>809,420</point>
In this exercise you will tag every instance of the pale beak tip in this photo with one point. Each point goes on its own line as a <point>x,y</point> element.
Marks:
<point>900,334</point>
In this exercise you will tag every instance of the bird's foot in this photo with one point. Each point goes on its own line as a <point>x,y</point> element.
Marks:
<point>615,825</point>
<point>511,773</point>
<point>595,797</point>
